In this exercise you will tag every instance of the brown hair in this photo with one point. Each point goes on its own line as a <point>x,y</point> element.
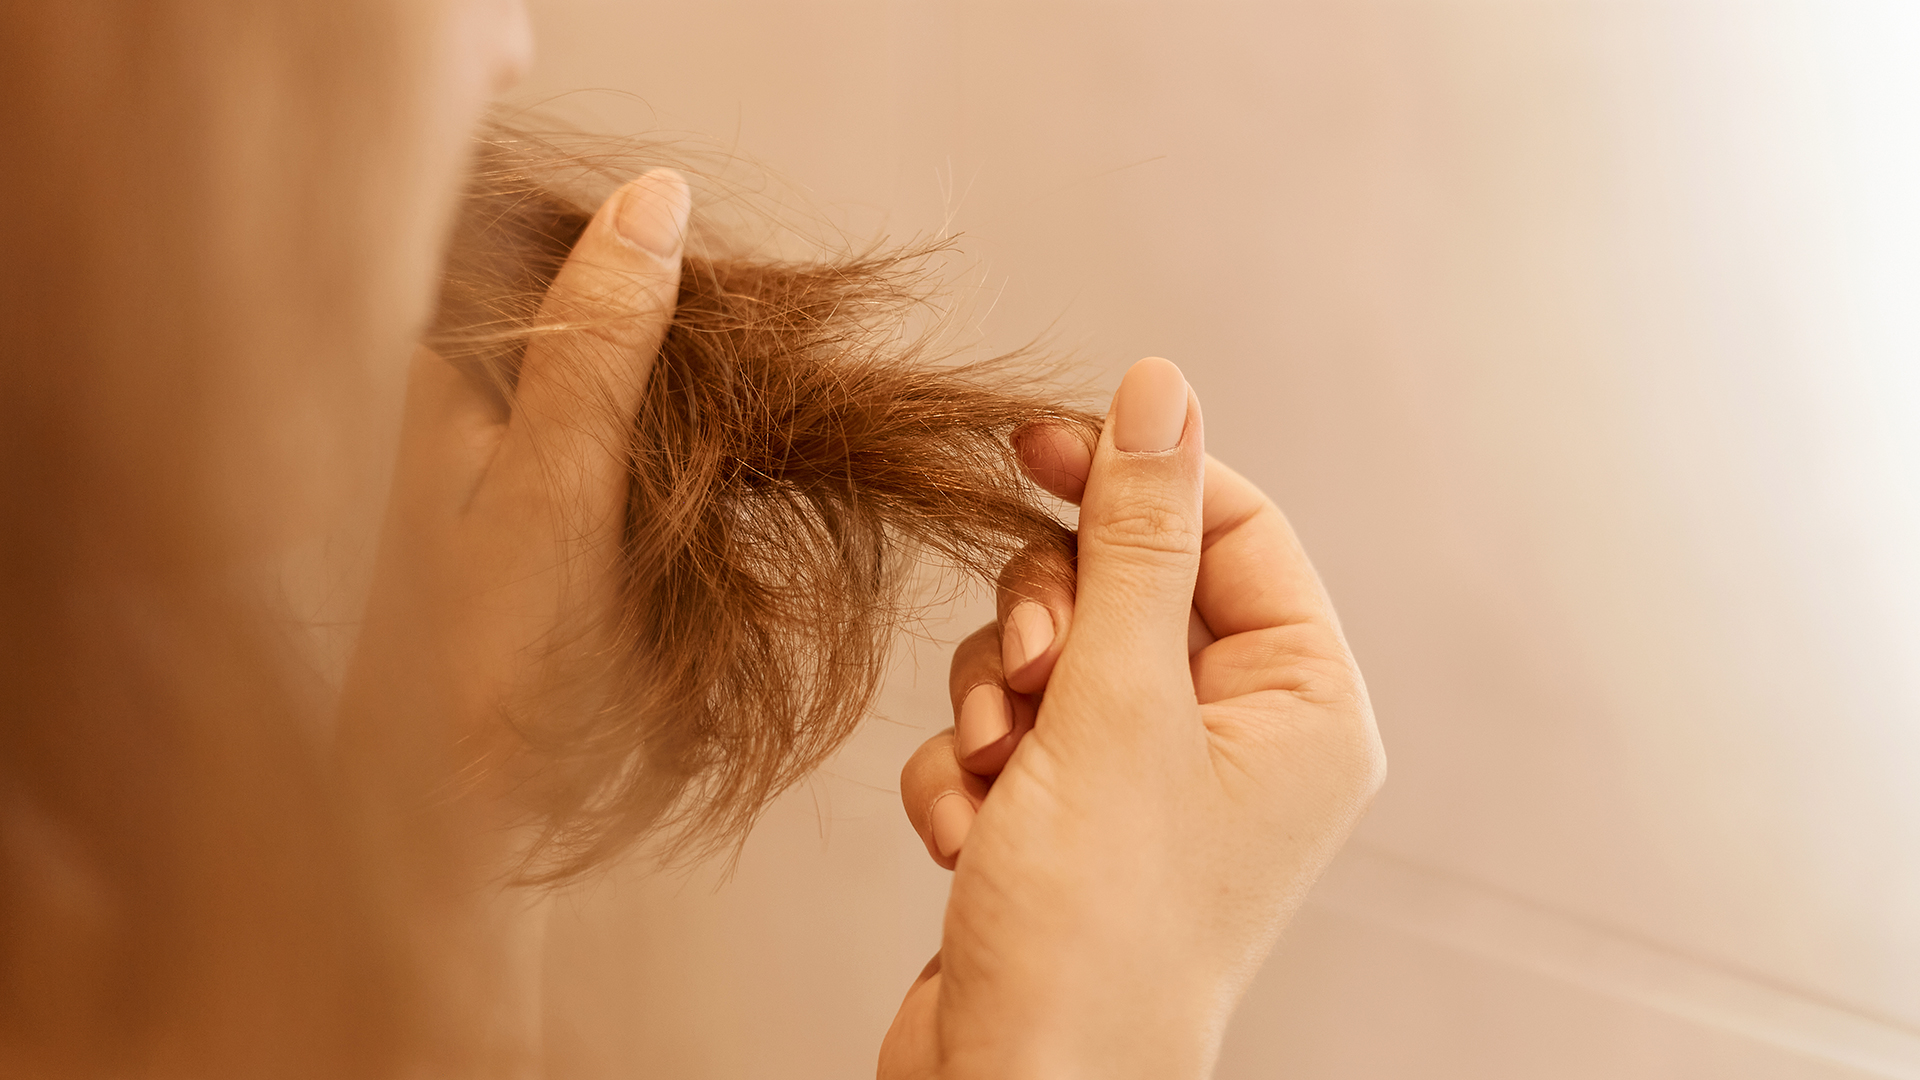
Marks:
<point>797,443</point>
<point>219,224</point>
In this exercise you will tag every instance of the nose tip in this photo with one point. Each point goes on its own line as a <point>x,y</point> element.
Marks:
<point>515,55</point>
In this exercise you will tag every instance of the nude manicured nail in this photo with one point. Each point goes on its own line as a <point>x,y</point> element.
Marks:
<point>1150,408</point>
<point>1028,633</point>
<point>985,718</point>
<point>952,820</point>
<point>653,213</point>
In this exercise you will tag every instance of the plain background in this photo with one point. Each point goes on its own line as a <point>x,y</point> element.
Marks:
<point>1579,342</point>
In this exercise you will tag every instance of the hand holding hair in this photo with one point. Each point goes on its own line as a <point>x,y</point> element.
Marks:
<point>500,560</point>
<point>794,452</point>
<point>1156,813</point>
<point>662,517</point>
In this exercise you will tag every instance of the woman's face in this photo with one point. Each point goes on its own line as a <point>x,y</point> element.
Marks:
<point>233,212</point>
<point>346,155</point>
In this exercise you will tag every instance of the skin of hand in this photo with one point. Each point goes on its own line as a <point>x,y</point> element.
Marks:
<point>1145,776</point>
<point>497,576</point>
<point>499,561</point>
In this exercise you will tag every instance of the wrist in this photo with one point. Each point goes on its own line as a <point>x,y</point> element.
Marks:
<point>1138,1027</point>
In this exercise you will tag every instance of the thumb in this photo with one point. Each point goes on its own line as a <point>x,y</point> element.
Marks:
<point>584,374</point>
<point>1140,529</point>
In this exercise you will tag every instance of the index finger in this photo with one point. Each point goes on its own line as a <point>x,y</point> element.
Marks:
<point>1254,574</point>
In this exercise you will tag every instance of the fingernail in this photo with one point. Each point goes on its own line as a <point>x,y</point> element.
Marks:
<point>985,718</point>
<point>1150,408</point>
<point>1028,632</point>
<point>952,820</point>
<point>653,213</point>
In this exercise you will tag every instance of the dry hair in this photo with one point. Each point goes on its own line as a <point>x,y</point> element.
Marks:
<point>799,446</point>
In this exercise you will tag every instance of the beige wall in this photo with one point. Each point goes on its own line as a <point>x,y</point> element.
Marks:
<point>1578,341</point>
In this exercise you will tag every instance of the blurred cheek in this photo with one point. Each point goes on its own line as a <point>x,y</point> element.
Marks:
<point>472,51</point>
<point>338,432</point>
<point>326,444</point>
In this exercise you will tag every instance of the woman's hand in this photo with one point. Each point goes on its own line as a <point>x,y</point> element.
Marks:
<point>497,583</point>
<point>498,572</point>
<point>1128,844</point>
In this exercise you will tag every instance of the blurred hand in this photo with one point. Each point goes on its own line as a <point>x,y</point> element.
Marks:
<point>1144,777</point>
<point>499,573</point>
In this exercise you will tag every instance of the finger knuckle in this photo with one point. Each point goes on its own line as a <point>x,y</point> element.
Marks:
<point>983,640</point>
<point>1348,744</point>
<point>924,766</point>
<point>1151,525</point>
<point>1275,649</point>
<point>1354,744</point>
<point>1306,659</point>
